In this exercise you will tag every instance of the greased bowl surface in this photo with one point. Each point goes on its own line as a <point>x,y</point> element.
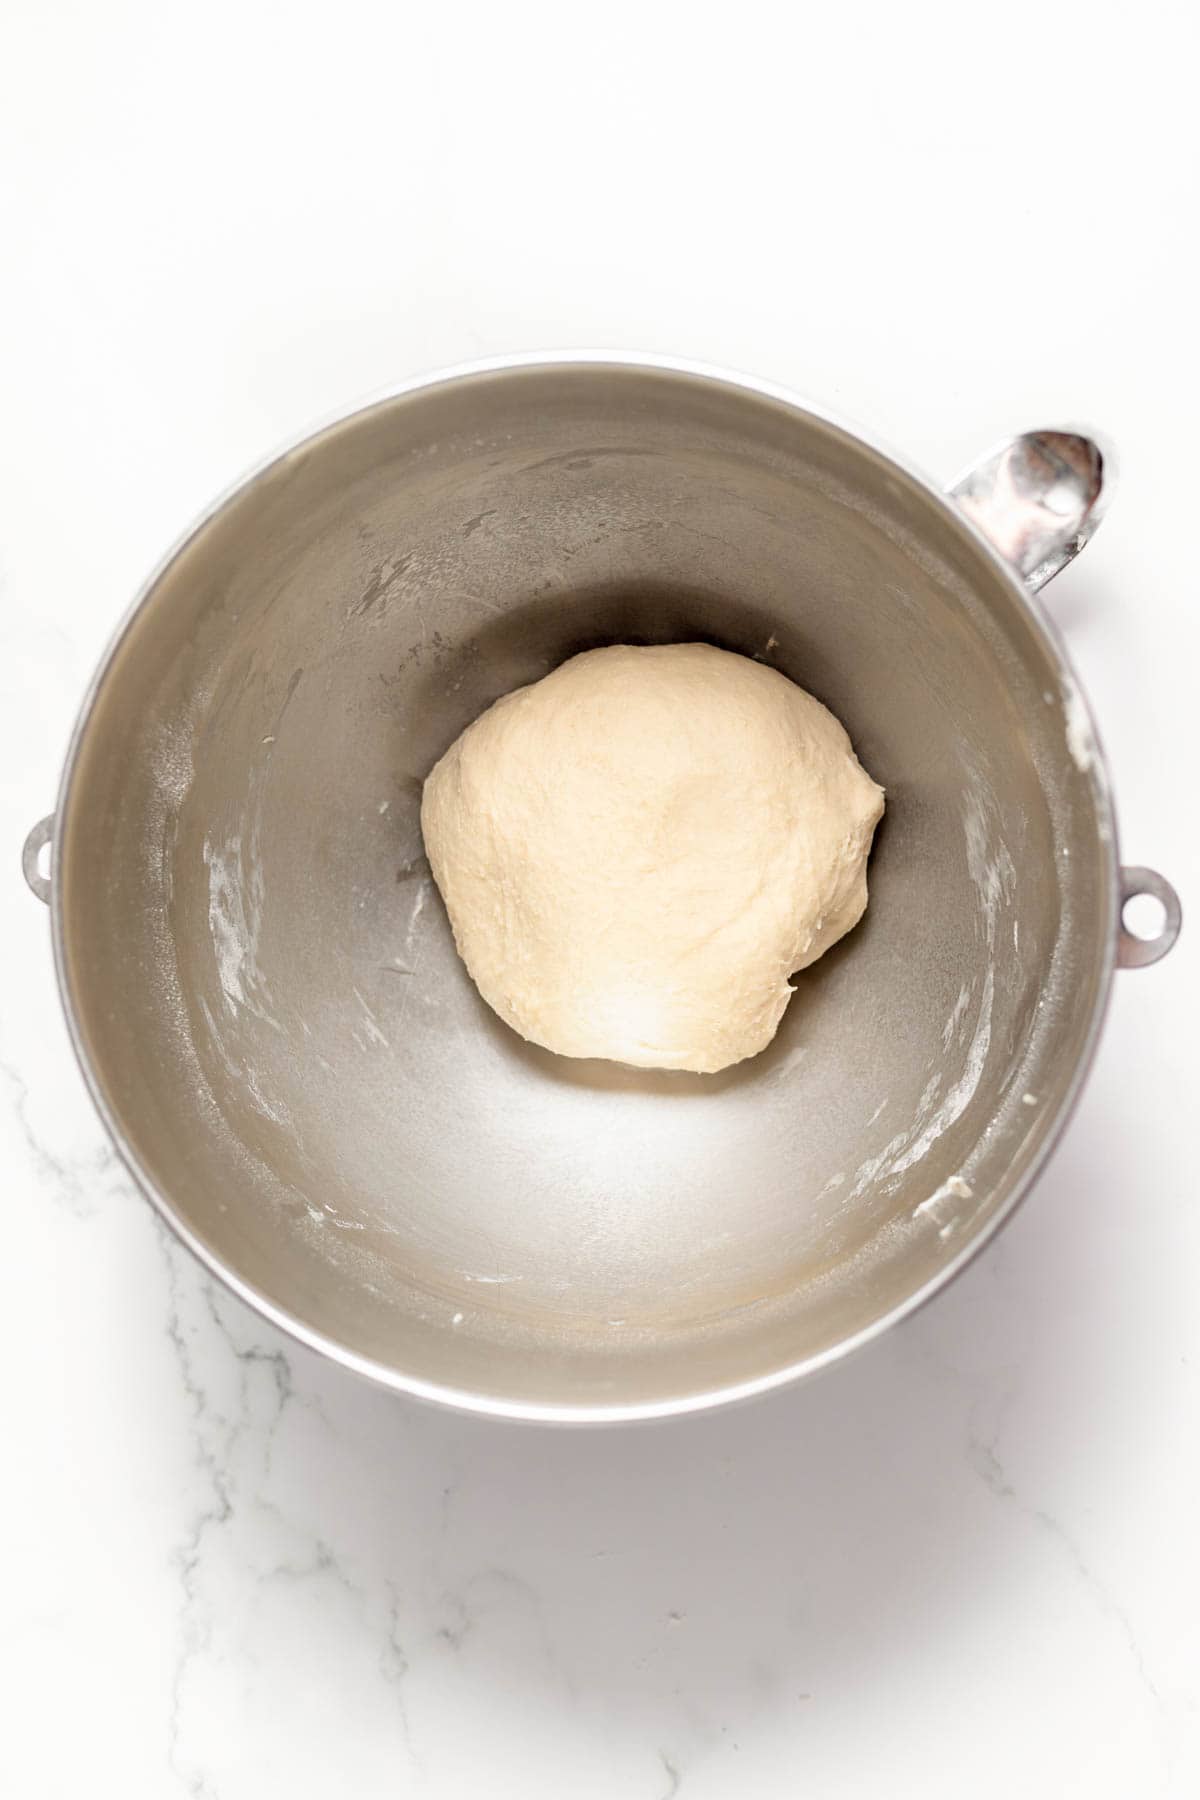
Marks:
<point>260,977</point>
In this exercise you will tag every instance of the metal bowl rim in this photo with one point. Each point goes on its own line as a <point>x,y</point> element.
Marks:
<point>497,1406</point>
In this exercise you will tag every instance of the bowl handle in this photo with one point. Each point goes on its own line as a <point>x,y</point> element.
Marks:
<point>1038,498</point>
<point>38,838</point>
<point>1134,952</point>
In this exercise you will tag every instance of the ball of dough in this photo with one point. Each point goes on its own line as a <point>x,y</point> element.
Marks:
<point>637,851</point>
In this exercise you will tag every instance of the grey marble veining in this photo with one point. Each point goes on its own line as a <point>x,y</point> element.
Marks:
<point>362,1590</point>
<point>967,1561</point>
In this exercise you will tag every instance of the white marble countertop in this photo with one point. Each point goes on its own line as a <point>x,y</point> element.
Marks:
<point>968,1561</point>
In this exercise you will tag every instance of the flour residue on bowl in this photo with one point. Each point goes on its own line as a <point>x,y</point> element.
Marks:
<point>1081,738</point>
<point>966,1034</point>
<point>234,922</point>
<point>944,1206</point>
<point>952,1028</point>
<point>235,894</point>
<point>233,935</point>
<point>374,1033</point>
<point>959,1096</point>
<point>994,877</point>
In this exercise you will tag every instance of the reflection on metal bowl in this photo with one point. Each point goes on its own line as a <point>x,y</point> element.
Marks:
<point>261,981</point>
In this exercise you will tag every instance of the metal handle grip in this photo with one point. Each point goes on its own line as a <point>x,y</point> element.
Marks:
<point>1038,498</point>
<point>38,838</point>
<point>1134,952</point>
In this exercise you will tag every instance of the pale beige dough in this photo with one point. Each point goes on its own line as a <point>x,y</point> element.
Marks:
<point>637,851</point>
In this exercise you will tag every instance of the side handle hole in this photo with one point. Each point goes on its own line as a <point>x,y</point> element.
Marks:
<point>1150,918</point>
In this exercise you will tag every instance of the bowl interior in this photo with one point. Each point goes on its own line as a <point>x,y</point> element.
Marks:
<point>261,971</point>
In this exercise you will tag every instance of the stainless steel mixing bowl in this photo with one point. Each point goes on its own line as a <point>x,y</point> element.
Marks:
<point>260,979</point>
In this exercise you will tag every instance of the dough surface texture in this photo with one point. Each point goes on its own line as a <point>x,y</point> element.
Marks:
<point>638,850</point>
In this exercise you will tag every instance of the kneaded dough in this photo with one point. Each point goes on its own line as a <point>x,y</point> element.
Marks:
<point>638,850</point>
